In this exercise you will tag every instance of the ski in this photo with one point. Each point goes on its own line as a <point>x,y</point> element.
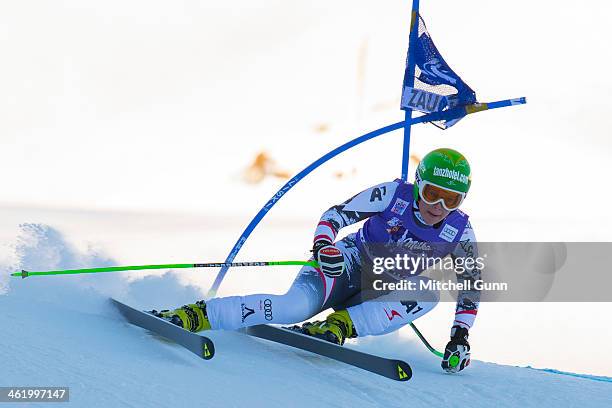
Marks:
<point>201,346</point>
<point>394,369</point>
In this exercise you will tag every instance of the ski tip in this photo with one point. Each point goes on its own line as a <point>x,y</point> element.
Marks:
<point>208,349</point>
<point>114,302</point>
<point>403,371</point>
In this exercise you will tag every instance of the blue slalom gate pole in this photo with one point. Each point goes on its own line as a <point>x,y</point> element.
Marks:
<point>280,193</point>
<point>467,110</point>
<point>445,115</point>
<point>414,30</point>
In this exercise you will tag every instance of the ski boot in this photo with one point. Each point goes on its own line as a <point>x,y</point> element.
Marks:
<point>190,317</point>
<point>336,328</point>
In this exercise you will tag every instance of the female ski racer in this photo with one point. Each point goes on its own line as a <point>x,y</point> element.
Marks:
<point>420,219</point>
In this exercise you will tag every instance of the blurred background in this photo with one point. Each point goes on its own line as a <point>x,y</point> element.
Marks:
<point>153,131</point>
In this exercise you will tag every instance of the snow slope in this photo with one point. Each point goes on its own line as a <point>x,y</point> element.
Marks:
<point>62,331</point>
<point>80,341</point>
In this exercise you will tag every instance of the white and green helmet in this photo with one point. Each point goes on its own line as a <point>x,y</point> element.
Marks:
<point>445,168</point>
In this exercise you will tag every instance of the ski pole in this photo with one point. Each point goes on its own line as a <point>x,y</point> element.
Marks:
<point>24,274</point>
<point>425,342</point>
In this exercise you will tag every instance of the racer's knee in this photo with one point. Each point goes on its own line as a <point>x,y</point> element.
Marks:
<point>393,310</point>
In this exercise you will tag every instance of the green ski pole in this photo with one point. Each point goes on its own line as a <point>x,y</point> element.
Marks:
<point>425,342</point>
<point>24,274</point>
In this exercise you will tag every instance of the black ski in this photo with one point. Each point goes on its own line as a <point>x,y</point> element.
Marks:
<point>199,345</point>
<point>394,369</point>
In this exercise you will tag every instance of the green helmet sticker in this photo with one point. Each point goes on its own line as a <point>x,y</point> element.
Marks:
<point>446,168</point>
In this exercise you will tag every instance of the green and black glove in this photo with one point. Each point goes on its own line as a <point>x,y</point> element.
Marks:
<point>457,351</point>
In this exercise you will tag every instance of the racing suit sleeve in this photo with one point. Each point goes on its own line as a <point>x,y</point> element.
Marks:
<point>467,300</point>
<point>365,204</point>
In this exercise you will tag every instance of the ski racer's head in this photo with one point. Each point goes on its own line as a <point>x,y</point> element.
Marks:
<point>441,183</point>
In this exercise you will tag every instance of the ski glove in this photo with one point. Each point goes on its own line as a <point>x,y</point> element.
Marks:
<point>329,258</point>
<point>457,352</point>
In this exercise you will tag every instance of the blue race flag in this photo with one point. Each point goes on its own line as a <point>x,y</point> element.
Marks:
<point>437,87</point>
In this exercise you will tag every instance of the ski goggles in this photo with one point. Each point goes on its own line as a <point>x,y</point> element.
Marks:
<point>432,194</point>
